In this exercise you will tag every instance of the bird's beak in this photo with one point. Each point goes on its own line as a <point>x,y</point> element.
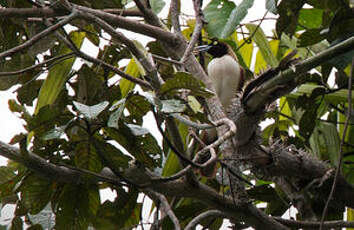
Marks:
<point>202,48</point>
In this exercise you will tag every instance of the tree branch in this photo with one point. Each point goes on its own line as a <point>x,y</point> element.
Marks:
<point>52,171</point>
<point>44,63</point>
<point>159,198</point>
<point>48,12</point>
<point>38,36</point>
<point>196,220</point>
<point>174,11</point>
<point>311,224</point>
<point>197,30</point>
<point>287,80</point>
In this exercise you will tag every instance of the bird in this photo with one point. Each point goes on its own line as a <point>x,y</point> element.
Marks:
<point>227,77</point>
<point>224,70</point>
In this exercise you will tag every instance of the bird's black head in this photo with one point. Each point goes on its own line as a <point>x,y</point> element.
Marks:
<point>216,49</point>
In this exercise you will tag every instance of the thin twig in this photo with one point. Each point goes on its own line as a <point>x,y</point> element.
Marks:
<point>197,30</point>
<point>196,220</point>
<point>157,197</point>
<point>175,16</point>
<point>165,59</point>
<point>254,32</point>
<point>339,165</point>
<point>120,37</point>
<point>191,123</point>
<point>97,61</point>
<point>39,36</point>
<point>21,71</point>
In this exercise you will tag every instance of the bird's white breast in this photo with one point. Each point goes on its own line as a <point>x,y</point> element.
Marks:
<point>225,73</point>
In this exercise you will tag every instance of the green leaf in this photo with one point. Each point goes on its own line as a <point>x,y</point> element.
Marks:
<point>125,85</point>
<point>111,156</point>
<point>36,192</point>
<point>55,133</point>
<point>44,218</point>
<point>310,37</point>
<point>262,43</point>
<point>246,51</point>
<point>183,80</point>
<point>77,206</point>
<point>58,74</point>
<point>172,106</point>
<point>115,116</point>
<point>157,5</point>
<point>217,14</point>
<point>6,174</point>
<point>16,223</point>
<point>236,16</point>
<point>288,16</point>
<point>35,227</point>
<point>144,148</point>
<point>86,157</point>
<point>125,207</point>
<point>325,142</point>
<point>336,97</point>
<point>271,6</point>
<point>137,130</point>
<point>171,165</point>
<point>91,112</point>
<point>350,216</point>
<point>310,18</point>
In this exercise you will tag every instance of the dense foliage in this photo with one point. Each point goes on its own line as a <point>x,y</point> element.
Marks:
<point>88,129</point>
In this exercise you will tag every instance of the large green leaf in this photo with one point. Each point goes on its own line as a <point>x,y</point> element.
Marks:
<point>123,212</point>
<point>45,218</point>
<point>143,147</point>
<point>58,74</point>
<point>111,156</point>
<point>335,97</point>
<point>310,37</point>
<point>116,115</point>
<point>157,5</point>
<point>183,80</point>
<point>91,112</point>
<point>310,18</point>
<point>125,85</point>
<point>217,14</point>
<point>262,42</point>
<point>271,5</point>
<point>36,192</point>
<point>237,14</point>
<point>246,51</point>
<point>77,206</point>
<point>325,142</point>
<point>86,157</point>
<point>350,216</point>
<point>288,16</point>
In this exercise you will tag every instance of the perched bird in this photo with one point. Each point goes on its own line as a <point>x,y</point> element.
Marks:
<point>228,77</point>
<point>225,71</point>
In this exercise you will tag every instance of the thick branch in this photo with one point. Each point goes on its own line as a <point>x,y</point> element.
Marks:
<point>312,224</point>
<point>196,220</point>
<point>241,212</point>
<point>132,25</point>
<point>52,171</point>
<point>283,83</point>
<point>50,12</point>
<point>112,19</point>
